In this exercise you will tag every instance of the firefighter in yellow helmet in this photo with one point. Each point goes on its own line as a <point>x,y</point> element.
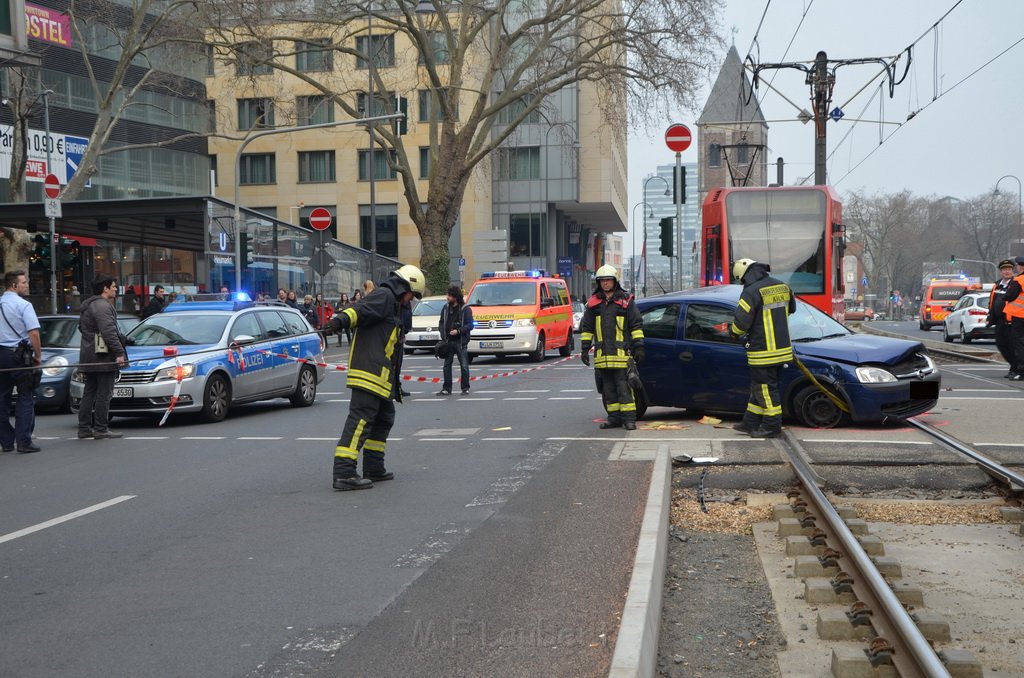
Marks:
<point>612,323</point>
<point>763,316</point>
<point>373,376</point>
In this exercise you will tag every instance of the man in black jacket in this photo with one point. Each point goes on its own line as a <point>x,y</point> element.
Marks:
<point>156,303</point>
<point>612,323</point>
<point>102,353</point>
<point>455,325</point>
<point>373,376</point>
<point>763,316</point>
<point>996,317</point>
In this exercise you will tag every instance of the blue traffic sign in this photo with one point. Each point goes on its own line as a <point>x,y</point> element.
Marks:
<point>864,281</point>
<point>836,114</point>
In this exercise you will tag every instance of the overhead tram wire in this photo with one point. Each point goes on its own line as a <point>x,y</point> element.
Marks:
<point>927,105</point>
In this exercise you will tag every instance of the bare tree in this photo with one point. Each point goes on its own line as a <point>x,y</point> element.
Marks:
<point>490,65</point>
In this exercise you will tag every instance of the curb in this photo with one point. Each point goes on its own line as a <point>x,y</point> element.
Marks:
<point>636,647</point>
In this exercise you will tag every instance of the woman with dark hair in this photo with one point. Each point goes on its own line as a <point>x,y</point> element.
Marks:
<point>343,303</point>
<point>456,323</point>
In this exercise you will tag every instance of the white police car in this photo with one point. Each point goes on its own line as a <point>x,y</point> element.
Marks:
<point>227,353</point>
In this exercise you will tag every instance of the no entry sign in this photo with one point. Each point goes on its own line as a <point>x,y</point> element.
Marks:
<point>677,138</point>
<point>51,186</point>
<point>320,219</point>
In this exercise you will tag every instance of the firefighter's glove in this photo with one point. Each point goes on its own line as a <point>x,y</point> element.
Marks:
<point>585,354</point>
<point>638,355</point>
<point>339,323</point>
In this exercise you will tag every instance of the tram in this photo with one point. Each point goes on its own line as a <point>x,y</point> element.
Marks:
<point>797,230</point>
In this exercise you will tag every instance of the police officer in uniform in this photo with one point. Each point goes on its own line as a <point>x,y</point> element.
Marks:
<point>1014,311</point>
<point>612,322</point>
<point>996,317</point>
<point>373,376</point>
<point>762,315</point>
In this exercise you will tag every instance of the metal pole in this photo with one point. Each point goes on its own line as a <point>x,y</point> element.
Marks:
<point>1020,224</point>
<point>822,97</point>
<point>677,179</point>
<point>53,225</point>
<point>371,57</point>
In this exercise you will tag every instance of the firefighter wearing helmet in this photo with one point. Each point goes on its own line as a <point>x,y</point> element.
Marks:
<point>612,324</point>
<point>373,376</point>
<point>762,315</point>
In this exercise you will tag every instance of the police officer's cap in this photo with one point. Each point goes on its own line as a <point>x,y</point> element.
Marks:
<point>1006,263</point>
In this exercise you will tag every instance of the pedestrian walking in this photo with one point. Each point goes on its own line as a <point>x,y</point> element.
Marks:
<point>76,299</point>
<point>612,323</point>
<point>21,355</point>
<point>343,303</point>
<point>455,324</point>
<point>156,303</point>
<point>763,316</point>
<point>1014,312</point>
<point>373,378</point>
<point>997,317</point>
<point>102,353</point>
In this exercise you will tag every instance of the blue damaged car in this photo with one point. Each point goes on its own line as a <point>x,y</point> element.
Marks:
<point>693,362</point>
<point>227,352</point>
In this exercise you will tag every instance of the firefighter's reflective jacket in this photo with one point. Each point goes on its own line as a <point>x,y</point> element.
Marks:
<point>614,326</point>
<point>762,314</point>
<point>376,321</point>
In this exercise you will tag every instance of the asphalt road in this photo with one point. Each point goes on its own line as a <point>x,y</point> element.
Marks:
<point>221,550</point>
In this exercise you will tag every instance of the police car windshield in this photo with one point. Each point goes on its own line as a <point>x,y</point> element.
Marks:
<point>179,329</point>
<point>810,324</point>
<point>504,294</point>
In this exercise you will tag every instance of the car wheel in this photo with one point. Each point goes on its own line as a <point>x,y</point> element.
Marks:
<point>538,353</point>
<point>946,336</point>
<point>641,403</point>
<point>216,399</point>
<point>922,327</point>
<point>964,337</point>
<point>816,410</point>
<point>566,351</point>
<point>305,391</point>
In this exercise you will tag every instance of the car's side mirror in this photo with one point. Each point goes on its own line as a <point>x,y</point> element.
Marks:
<point>244,339</point>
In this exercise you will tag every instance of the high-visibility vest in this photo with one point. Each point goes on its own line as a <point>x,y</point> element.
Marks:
<point>1015,308</point>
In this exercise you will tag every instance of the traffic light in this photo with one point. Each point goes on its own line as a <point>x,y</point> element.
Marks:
<point>40,257</point>
<point>70,250</point>
<point>402,124</point>
<point>679,199</point>
<point>246,251</point>
<point>666,236</point>
<point>952,259</point>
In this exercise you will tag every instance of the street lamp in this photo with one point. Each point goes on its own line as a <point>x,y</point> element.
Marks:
<point>1020,225</point>
<point>668,192</point>
<point>632,260</point>
<point>53,230</point>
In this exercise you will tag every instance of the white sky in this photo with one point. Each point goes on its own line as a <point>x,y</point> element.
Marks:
<point>959,145</point>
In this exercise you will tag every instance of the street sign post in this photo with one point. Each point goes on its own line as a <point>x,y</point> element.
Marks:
<point>51,185</point>
<point>322,262</point>
<point>678,137</point>
<point>51,203</point>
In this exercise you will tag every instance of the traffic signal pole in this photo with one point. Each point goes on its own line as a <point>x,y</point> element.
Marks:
<point>677,244</point>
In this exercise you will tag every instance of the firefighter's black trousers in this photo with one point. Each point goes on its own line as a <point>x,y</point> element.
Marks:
<point>369,422</point>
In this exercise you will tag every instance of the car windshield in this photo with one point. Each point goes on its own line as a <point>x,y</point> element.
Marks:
<point>63,332</point>
<point>578,307</point>
<point>429,307</point>
<point>504,294</point>
<point>810,324</point>
<point>177,329</point>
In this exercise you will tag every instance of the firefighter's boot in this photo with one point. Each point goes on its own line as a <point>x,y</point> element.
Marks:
<point>373,467</point>
<point>346,477</point>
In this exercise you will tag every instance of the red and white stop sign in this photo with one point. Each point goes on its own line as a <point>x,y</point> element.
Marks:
<point>51,186</point>
<point>320,218</point>
<point>677,138</point>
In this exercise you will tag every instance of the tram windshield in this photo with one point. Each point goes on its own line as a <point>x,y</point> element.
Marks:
<point>785,229</point>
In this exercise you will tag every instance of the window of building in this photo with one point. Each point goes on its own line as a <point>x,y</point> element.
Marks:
<point>211,115</point>
<point>387,229</point>
<point>316,166</point>
<point>430,103</point>
<point>512,111</point>
<point>257,168</point>
<point>742,153</point>
<point>253,58</point>
<point>383,103</point>
<point>518,164</point>
<point>314,55</point>
<point>381,168</point>
<point>424,162</point>
<point>213,168</point>
<point>255,113</point>
<point>209,60</point>
<point>439,45</point>
<point>382,47</point>
<point>313,110</point>
<point>714,155</point>
<point>526,235</point>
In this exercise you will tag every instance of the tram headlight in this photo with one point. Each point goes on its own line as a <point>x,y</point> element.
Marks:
<point>874,375</point>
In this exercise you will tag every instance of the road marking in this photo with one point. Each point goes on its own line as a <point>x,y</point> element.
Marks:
<point>65,518</point>
<point>504,487</point>
<point>531,398</point>
<point>866,442</point>
<point>258,438</point>
<point>575,390</point>
<point>503,439</point>
<point>463,399</point>
<point>490,391</point>
<point>567,398</point>
<point>998,444</point>
<point>439,440</point>
<point>320,439</point>
<point>338,400</point>
<point>203,437</point>
<point>144,438</point>
<point>542,390</point>
<point>945,398</point>
<point>984,390</point>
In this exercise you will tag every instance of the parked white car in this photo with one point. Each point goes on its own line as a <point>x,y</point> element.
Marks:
<point>966,321</point>
<point>426,317</point>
